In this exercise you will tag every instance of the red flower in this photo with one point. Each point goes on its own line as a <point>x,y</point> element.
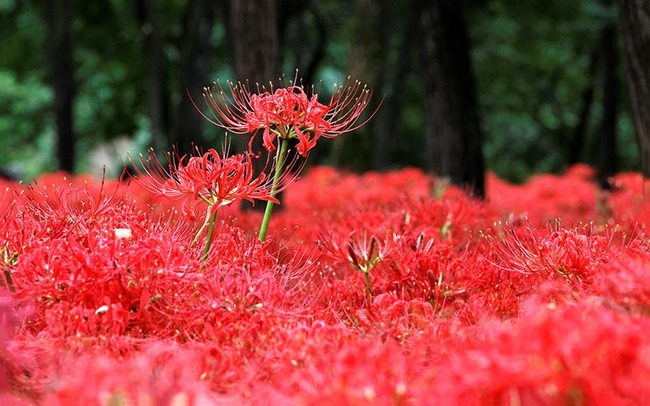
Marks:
<point>216,180</point>
<point>288,112</point>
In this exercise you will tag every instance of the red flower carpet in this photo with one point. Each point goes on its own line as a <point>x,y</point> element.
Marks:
<point>369,289</point>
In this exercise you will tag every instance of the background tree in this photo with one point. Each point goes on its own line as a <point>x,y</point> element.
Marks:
<point>535,64</point>
<point>539,82</point>
<point>382,54</point>
<point>400,44</point>
<point>453,133</point>
<point>303,36</point>
<point>366,62</point>
<point>194,69</point>
<point>607,155</point>
<point>153,44</point>
<point>59,19</point>
<point>111,73</point>
<point>578,136</point>
<point>635,30</point>
<point>253,38</point>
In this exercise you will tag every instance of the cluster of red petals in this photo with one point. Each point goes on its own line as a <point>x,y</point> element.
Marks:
<point>104,301</point>
<point>288,112</point>
<point>217,180</point>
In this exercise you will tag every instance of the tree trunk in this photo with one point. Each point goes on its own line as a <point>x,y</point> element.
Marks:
<point>367,62</point>
<point>155,72</point>
<point>62,79</point>
<point>253,34</point>
<point>399,51</point>
<point>254,40</point>
<point>306,41</point>
<point>194,73</point>
<point>608,157</point>
<point>453,133</point>
<point>634,24</point>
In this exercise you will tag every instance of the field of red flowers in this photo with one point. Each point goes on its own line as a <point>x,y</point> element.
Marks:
<point>370,289</point>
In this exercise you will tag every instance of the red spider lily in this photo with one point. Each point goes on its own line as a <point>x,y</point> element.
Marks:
<point>288,112</point>
<point>218,181</point>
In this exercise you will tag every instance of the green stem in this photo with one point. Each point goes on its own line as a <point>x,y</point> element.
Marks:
<point>280,156</point>
<point>208,241</point>
<point>205,224</point>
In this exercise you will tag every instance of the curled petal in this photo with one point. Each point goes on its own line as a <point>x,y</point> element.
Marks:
<point>268,138</point>
<point>304,142</point>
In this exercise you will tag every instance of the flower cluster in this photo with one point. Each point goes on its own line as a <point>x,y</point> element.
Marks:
<point>285,114</point>
<point>216,180</point>
<point>110,303</point>
<point>288,112</point>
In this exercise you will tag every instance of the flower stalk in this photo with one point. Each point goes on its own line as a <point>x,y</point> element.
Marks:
<point>211,178</point>
<point>210,237</point>
<point>280,158</point>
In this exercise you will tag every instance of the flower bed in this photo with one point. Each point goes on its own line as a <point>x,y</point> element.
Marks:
<point>367,290</point>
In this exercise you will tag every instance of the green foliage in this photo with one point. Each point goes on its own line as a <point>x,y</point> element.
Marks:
<point>531,61</point>
<point>24,123</point>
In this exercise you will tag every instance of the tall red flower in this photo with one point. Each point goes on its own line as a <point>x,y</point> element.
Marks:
<point>217,180</point>
<point>287,112</point>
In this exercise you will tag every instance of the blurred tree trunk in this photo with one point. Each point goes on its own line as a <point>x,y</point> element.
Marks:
<point>401,34</point>
<point>307,41</point>
<point>59,20</point>
<point>367,62</point>
<point>608,156</point>
<point>577,142</point>
<point>453,133</point>
<point>254,46</point>
<point>254,40</point>
<point>194,72</point>
<point>634,24</point>
<point>155,72</point>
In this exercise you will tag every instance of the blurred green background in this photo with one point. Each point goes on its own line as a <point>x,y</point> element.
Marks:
<point>534,62</point>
